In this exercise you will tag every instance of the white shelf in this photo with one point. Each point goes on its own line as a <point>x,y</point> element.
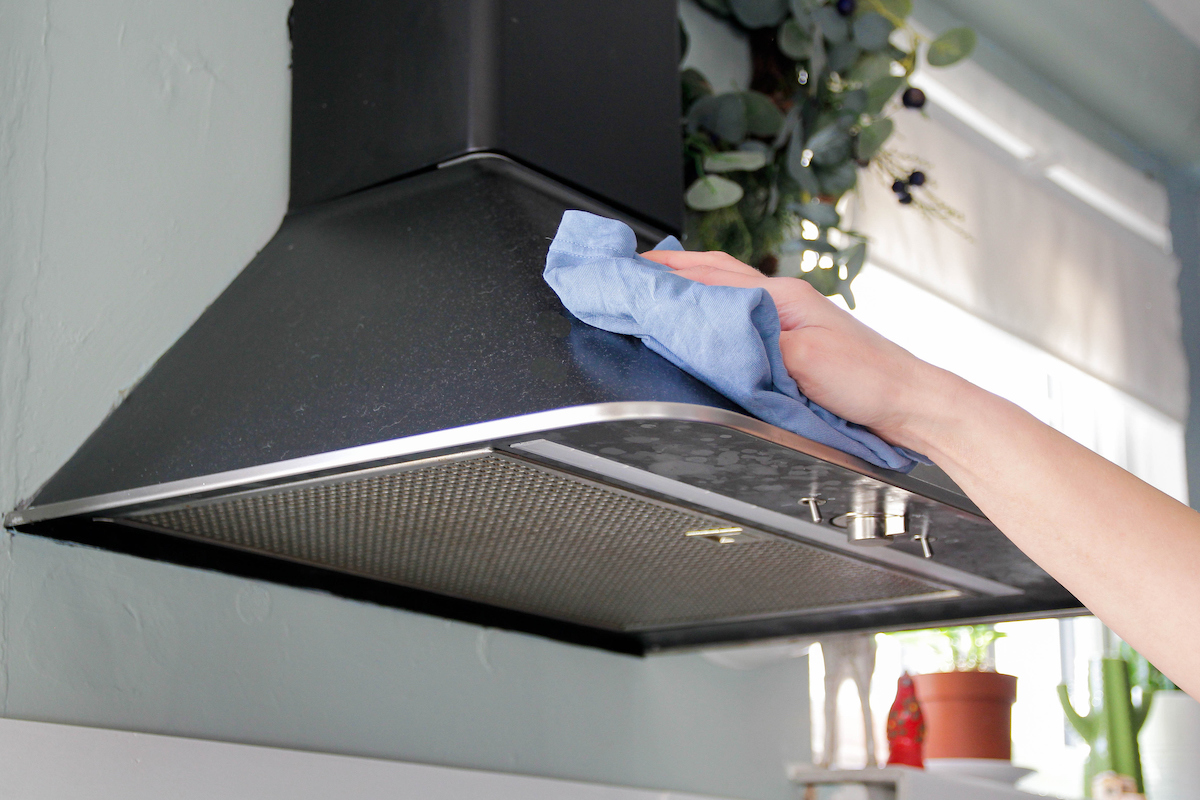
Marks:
<point>899,783</point>
<point>49,761</point>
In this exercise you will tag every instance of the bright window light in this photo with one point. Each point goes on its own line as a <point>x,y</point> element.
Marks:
<point>1119,427</point>
<point>973,118</point>
<point>1110,206</point>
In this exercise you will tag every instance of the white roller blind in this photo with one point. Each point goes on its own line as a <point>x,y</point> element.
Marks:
<point>1068,246</point>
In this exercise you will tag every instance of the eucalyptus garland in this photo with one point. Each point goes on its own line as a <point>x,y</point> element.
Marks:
<point>766,167</point>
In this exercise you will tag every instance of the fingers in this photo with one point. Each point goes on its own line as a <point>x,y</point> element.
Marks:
<point>681,259</point>
<point>713,276</point>
<point>797,302</point>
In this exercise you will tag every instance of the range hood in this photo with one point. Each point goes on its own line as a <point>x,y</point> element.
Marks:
<point>391,405</point>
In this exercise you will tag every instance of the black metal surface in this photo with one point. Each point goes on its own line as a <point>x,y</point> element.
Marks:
<point>586,92</point>
<point>937,613</point>
<point>414,307</point>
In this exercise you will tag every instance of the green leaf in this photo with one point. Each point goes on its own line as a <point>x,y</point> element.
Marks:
<point>824,281</point>
<point>872,137</point>
<point>763,117</point>
<point>723,229</point>
<point>853,258</point>
<point>838,179</point>
<point>821,245</point>
<point>723,115</point>
<point>794,41</point>
<point>832,24</point>
<point>897,8</point>
<point>951,47</point>
<point>820,214</point>
<point>699,112</point>
<point>825,119</point>
<point>816,64</point>
<point>854,101</point>
<point>736,161</point>
<point>759,13</point>
<point>729,120</point>
<point>872,30</point>
<point>712,192</point>
<point>801,9</point>
<point>847,295</point>
<point>800,172</point>
<point>870,68</point>
<point>880,91</point>
<point>694,86</point>
<point>843,56</point>
<point>719,7</point>
<point>791,124</point>
<point>830,146</point>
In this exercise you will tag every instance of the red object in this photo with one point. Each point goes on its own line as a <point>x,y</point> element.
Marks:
<point>905,726</point>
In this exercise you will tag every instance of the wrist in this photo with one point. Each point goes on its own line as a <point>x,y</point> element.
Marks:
<point>930,410</point>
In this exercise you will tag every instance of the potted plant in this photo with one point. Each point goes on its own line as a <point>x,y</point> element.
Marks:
<point>968,709</point>
<point>767,167</point>
<point>1170,737</point>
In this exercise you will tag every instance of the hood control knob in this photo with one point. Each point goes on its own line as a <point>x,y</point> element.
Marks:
<point>875,516</point>
<point>871,528</point>
<point>814,504</point>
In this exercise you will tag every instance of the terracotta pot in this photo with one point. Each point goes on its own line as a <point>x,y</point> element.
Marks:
<point>967,714</point>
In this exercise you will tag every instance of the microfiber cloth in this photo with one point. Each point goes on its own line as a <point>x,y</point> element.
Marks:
<point>726,336</point>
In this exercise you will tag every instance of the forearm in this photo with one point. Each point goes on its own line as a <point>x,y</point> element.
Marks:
<point>1130,553</point>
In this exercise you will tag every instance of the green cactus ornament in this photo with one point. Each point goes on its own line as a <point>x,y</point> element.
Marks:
<point>1111,726</point>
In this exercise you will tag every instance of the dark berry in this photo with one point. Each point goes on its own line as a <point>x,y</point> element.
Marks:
<point>917,178</point>
<point>900,187</point>
<point>905,199</point>
<point>913,97</point>
<point>846,7</point>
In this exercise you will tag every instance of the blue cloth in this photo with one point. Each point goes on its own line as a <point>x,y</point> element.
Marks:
<point>727,337</point>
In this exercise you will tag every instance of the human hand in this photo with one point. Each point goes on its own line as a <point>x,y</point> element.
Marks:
<point>836,360</point>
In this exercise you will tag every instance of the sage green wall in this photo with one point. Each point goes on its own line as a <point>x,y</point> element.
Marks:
<point>100,639</point>
<point>143,162</point>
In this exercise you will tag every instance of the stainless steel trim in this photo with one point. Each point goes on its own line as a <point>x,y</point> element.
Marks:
<point>477,434</point>
<point>341,477</point>
<point>773,520</point>
<point>553,188</point>
<point>866,605</point>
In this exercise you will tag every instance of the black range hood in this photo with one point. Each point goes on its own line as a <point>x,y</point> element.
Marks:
<point>390,404</point>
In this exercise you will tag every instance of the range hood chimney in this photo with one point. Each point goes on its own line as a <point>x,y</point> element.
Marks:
<point>390,404</point>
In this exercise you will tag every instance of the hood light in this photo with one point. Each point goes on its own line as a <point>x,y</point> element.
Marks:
<point>720,535</point>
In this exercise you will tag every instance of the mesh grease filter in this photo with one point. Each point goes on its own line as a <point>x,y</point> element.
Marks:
<point>494,529</point>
